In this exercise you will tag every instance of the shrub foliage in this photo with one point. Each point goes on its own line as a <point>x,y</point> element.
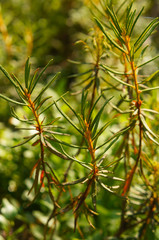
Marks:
<point>96,146</point>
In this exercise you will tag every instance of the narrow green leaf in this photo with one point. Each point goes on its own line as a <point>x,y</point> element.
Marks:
<point>13,113</point>
<point>116,32</point>
<point>93,107</point>
<point>35,185</point>
<point>41,73</point>
<point>77,116</point>
<point>74,182</point>
<point>141,65</point>
<point>22,143</point>
<point>17,80</point>
<point>121,5</point>
<point>111,177</point>
<point>74,62</point>
<point>147,127</point>
<point>8,76</point>
<point>45,109</point>
<point>150,137</point>
<point>143,52</point>
<point>113,162</point>
<point>113,16</point>
<point>89,78</point>
<point>52,122</point>
<point>119,110</point>
<point>54,151</point>
<point>108,36</point>
<point>149,110</point>
<point>21,95</point>
<point>46,87</point>
<point>134,23</point>
<point>98,10</point>
<point>65,143</point>
<point>150,89</point>
<point>81,121</point>
<point>80,74</point>
<point>112,70</point>
<point>89,85</point>
<point>120,81</point>
<point>32,81</point>
<point>153,76</point>
<point>27,73</point>
<point>129,21</point>
<point>105,150</point>
<point>75,159</point>
<point>26,128</point>
<point>12,101</point>
<point>94,194</point>
<point>145,34</point>
<point>42,139</point>
<point>42,102</point>
<point>83,103</point>
<point>68,119</point>
<point>56,133</point>
<point>121,132</point>
<point>104,186</point>
<point>102,130</point>
<point>95,122</point>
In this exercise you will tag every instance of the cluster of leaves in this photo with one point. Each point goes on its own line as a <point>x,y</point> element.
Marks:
<point>123,161</point>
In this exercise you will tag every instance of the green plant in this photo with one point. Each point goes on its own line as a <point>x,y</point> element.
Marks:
<point>111,149</point>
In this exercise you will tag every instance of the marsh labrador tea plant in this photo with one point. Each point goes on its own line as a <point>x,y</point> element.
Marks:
<point>104,133</point>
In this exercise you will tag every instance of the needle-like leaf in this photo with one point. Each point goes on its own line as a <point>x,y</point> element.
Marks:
<point>12,101</point>
<point>46,87</point>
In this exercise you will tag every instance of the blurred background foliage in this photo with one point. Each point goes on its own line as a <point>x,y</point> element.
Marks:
<point>44,30</point>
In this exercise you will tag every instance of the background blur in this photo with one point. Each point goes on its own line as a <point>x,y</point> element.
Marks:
<point>42,30</point>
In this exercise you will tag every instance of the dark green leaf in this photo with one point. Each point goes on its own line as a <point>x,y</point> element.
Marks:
<point>134,23</point>
<point>120,81</point>
<point>92,109</point>
<point>68,119</point>
<point>8,76</point>
<point>28,139</point>
<point>102,130</point>
<point>108,36</point>
<point>74,159</point>
<point>46,87</point>
<point>41,73</point>
<point>141,65</point>
<point>74,182</point>
<point>121,132</point>
<point>112,70</point>
<point>145,34</point>
<point>94,124</point>
<point>114,19</point>
<point>65,143</point>
<point>32,81</point>
<point>27,73</point>
<point>42,102</point>
<point>12,101</point>
<point>17,80</point>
